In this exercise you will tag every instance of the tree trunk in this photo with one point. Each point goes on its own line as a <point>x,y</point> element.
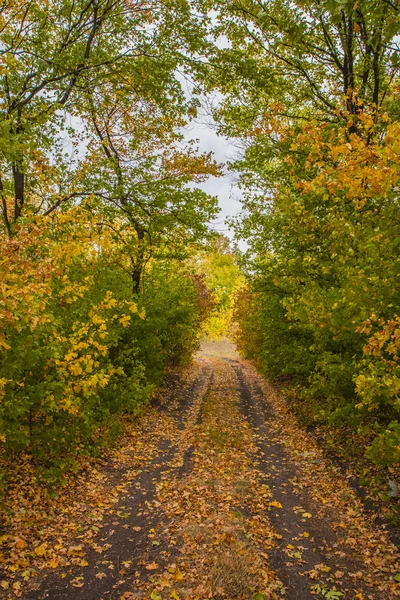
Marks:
<point>138,267</point>
<point>19,190</point>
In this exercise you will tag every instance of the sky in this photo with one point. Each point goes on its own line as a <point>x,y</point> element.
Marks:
<point>224,187</point>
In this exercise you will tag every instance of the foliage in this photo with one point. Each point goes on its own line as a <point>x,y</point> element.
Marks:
<point>329,268</point>
<point>310,89</point>
<point>99,213</point>
<point>222,275</point>
<point>77,349</point>
<point>302,58</point>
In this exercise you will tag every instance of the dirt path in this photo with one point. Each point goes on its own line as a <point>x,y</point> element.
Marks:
<point>218,494</point>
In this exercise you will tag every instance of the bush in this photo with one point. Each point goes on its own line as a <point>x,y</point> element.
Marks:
<point>78,349</point>
<point>323,297</point>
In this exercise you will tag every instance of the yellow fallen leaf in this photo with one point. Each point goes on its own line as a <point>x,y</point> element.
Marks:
<point>83,563</point>
<point>174,595</point>
<point>40,550</point>
<point>276,504</point>
<point>307,515</point>
<point>13,568</point>
<point>127,563</point>
<point>178,576</point>
<point>53,564</point>
<point>164,582</point>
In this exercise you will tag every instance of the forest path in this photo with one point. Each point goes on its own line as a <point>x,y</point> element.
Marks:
<point>230,499</point>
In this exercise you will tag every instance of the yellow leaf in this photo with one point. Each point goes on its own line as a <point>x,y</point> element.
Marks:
<point>83,563</point>
<point>164,582</point>
<point>124,320</point>
<point>127,564</point>
<point>40,550</point>
<point>178,575</point>
<point>174,595</point>
<point>3,343</point>
<point>53,564</point>
<point>276,504</point>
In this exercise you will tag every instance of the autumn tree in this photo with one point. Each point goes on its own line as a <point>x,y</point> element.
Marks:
<point>304,57</point>
<point>53,55</point>
<point>97,188</point>
<point>310,93</point>
<point>139,170</point>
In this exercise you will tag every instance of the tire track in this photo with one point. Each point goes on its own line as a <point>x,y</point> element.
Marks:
<point>127,546</point>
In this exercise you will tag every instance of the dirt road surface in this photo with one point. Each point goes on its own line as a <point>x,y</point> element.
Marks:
<point>216,493</point>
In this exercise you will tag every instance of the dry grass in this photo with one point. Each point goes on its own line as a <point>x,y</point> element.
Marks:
<point>242,487</point>
<point>234,573</point>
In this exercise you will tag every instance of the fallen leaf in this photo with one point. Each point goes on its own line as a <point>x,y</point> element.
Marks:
<point>40,550</point>
<point>52,564</point>
<point>178,576</point>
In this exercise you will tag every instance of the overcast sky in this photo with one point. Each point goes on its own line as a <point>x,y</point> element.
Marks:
<point>204,130</point>
<point>225,187</point>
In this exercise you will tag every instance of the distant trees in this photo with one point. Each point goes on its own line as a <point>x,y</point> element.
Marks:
<point>219,267</point>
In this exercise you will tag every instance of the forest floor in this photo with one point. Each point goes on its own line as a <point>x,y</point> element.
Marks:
<point>214,492</point>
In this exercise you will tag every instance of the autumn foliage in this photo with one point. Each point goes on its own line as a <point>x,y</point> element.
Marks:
<point>77,349</point>
<point>322,309</point>
<point>98,219</point>
<point>310,93</point>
